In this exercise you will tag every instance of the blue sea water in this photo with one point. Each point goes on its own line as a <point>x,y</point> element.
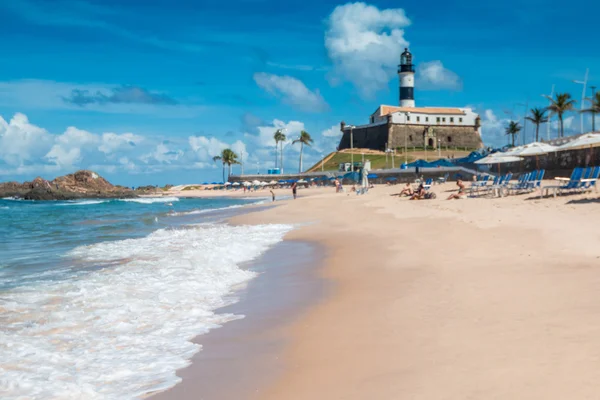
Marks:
<point>99,299</point>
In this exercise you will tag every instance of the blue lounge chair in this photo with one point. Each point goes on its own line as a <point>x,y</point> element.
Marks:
<point>573,183</point>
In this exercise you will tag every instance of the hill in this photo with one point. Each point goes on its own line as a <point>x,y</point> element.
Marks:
<point>79,185</point>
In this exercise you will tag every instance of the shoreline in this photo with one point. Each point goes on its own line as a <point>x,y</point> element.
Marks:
<point>282,291</point>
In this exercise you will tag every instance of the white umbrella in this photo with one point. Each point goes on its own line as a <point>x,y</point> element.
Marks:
<point>301,181</point>
<point>263,183</point>
<point>498,158</point>
<point>273,183</point>
<point>255,182</point>
<point>235,184</point>
<point>535,149</point>
<point>246,183</point>
<point>582,142</point>
<point>227,183</point>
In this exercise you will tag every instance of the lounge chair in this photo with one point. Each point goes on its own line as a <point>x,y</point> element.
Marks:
<point>573,182</point>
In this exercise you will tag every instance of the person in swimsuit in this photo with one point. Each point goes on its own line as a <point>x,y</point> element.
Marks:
<point>419,193</point>
<point>273,194</point>
<point>408,190</point>
<point>462,191</point>
<point>294,189</point>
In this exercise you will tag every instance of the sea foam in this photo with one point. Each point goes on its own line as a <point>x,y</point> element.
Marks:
<point>122,331</point>
<point>150,200</point>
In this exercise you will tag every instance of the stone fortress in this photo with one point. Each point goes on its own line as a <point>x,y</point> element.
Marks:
<point>392,127</point>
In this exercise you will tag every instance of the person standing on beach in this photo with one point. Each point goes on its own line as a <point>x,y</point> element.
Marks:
<point>273,194</point>
<point>294,189</point>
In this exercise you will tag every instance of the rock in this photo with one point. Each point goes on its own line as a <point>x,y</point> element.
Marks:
<point>82,184</point>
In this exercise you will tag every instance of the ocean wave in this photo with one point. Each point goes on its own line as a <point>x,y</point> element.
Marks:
<point>83,203</point>
<point>4,208</point>
<point>150,200</point>
<point>122,331</point>
<point>204,211</point>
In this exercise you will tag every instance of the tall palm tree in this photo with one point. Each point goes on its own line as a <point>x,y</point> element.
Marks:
<point>513,129</point>
<point>230,158</point>
<point>304,139</point>
<point>219,158</point>
<point>279,137</point>
<point>560,105</point>
<point>594,109</point>
<point>537,117</point>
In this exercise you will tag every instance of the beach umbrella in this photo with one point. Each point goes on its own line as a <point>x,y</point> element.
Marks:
<point>582,142</point>
<point>235,184</point>
<point>205,183</point>
<point>273,183</point>
<point>372,176</point>
<point>498,158</point>
<point>533,149</point>
<point>302,181</point>
<point>214,183</point>
<point>246,183</point>
<point>256,182</point>
<point>227,183</point>
<point>332,179</point>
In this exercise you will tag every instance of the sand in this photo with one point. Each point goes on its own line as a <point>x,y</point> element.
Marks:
<point>463,299</point>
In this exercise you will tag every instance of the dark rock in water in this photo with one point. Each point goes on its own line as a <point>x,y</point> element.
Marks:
<point>80,185</point>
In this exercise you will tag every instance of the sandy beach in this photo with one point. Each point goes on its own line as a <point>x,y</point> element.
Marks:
<point>464,299</point>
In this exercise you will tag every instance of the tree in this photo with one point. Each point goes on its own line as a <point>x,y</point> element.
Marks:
<point>537,117</point>
<point>219,158</point>
<point>304,139</point>
<point>594,109</point>
<point>279,136</point>
<point>561,104</point>
<point>229,157</point>
<point>513,129</point>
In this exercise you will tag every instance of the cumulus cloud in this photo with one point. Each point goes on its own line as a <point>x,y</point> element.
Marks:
<point>292,91</point>
<point>493,129</point>
<point>112,142</point>
<point>364,44</point>
<point>125,94</point>
<point>433,75</point>
<point>334,131</point>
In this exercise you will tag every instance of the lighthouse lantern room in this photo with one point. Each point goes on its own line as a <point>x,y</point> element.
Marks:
<point>406,75</point>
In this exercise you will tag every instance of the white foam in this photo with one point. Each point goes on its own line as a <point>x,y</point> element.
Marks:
<point>83,203</point>
<point>150,200</point>
<point>122,331</point>
<point>205,211</point>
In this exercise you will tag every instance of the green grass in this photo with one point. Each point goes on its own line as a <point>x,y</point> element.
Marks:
<point>377,161</point>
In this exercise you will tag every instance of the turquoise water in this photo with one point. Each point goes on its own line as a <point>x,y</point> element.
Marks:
<point>100,299</point>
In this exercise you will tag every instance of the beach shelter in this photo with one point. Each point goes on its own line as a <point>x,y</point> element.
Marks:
<point>235,184</point>
<point>214,183</point>
<point>227,183</point>
<point>372,176</point>
<point>498,158</point>
<point>302,181</point>
<point>273,183</point>
<point>256,183</point>
<point>582,142</point>
<point>533,149</point>
<point>205,183</point>
<point>246,183</point>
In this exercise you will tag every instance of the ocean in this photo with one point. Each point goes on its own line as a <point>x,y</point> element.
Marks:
<point>100,299</point>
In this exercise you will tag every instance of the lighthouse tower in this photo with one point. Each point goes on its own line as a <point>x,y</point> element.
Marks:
<point>406,75</point>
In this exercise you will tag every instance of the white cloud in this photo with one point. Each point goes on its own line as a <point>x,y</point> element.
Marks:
<point>206,147</point>
<point>334,131</point>
<point>22,142</point>
<point>292,91</point>
<point>291,129</point>
<point>364,44</point>
<point>112,142</point>
<point>493,129</point>
<point>433,75</point>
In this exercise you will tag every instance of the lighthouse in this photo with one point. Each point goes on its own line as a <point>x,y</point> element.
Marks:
<point>406,76</point>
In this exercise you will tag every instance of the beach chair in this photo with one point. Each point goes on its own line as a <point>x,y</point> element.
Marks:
<point>480,183</point>
<point>428,183</point>
<point>590,182</point>
<point>501,188</point>
<point>443,179</point>
<point>572,183</point>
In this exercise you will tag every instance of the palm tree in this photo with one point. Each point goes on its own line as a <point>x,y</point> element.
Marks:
<point>513,129</point>
<point>537,117</point>
<point>304,139</point>
<point>219,158</point>
<point>594,109</point>
<point>230,158</point>
<point>560,105</point>
<point>279,136</point>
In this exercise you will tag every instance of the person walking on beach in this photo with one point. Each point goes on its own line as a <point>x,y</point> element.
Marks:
<point>294,189</point>
<point>273,194</point>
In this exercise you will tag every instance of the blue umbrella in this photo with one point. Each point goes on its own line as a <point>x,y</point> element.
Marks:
<point>420,164</point>
<point>391,178</point>
<point>352,176</point>
<point>205,183</point>
<point>442,163</point>
<point>372,176</point>
<point>332,179</point>
<point>214,183</point>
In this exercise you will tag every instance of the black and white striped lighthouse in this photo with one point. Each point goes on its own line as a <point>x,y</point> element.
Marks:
<point>406,75</point>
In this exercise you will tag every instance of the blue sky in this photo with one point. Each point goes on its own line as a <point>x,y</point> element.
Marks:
<point>147,91</point>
